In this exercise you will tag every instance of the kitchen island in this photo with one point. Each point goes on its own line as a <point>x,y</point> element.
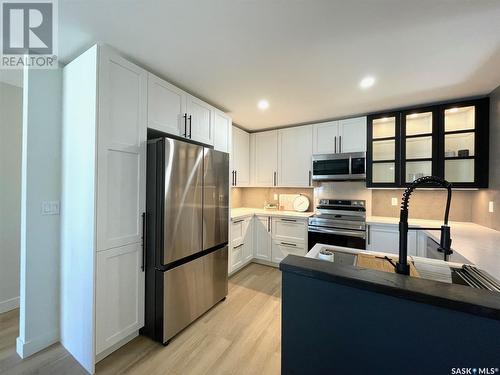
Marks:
<point>340,318</point>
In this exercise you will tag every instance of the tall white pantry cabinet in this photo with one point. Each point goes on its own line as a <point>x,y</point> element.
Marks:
<point>103,183</point>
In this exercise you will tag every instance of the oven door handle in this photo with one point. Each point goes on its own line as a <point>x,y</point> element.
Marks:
<point>339,232</point>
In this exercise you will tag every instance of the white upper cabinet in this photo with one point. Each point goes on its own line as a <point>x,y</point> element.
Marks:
<point>222,133</point>
<point>265,158</point>
<point>166,106</point>
<point>352,135</point>
<point>325,137</point>
<point>340,136</point>
<point>240,158</point>
<point>200,120</point>
<point>121,156</point>
<point>294,156</point>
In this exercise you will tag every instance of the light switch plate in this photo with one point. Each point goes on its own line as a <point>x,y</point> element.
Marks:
<point>50,208</point>
<point>491,207</point>
<point>394,201</point>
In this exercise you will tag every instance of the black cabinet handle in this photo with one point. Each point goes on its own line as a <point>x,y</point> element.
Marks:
<point>238,221</point>
<point>335,143</point>
<point>289,244</point>
<point>143,265</point>
<point>310,178</point>
<point>240,245</point>
<point>235,178</point>
<point>185,124</point>
<point>268,224</point>
<point>190,124</point>
<point>290,220</point>
<point>232,178</point>
<point>340,143</point>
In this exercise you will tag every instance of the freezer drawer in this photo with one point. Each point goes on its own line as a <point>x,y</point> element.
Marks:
<point>191,289</point>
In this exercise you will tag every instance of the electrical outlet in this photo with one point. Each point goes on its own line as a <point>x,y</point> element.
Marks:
<point>394,201</point>
<point>50,208</point>
<point>491,207</point>
<point>275,197</point>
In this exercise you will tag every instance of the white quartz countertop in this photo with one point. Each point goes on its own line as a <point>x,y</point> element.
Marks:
<point>478,244</point>
<point>237,213</point>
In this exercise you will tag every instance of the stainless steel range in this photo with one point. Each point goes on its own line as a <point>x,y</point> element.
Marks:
<point>339,222</point>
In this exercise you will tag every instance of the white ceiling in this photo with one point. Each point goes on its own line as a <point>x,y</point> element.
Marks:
<point>306,57</point>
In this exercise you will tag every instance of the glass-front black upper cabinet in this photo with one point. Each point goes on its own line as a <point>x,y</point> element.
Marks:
<point>382,157</point>
<point>446,140</point>
<point>419,145</point>
<point>464,143</point>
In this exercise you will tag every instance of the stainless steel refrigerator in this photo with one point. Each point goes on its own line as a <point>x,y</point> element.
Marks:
<point>186,234</point>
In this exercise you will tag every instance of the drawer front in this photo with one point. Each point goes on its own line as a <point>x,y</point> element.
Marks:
<point>281,249</point>
<point>237,231</point>
<point>236,256</point>
<point>294,230</point>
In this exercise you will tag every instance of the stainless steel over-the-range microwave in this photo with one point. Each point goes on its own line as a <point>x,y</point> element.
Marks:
<point>339,167</point>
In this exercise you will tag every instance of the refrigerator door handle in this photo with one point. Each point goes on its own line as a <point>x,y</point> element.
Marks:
<point>143,264</point>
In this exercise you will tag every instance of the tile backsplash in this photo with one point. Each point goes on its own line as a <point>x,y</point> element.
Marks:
<point>256,197</point>
<point>424,204</point>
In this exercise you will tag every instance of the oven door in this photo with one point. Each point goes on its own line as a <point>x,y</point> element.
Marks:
<point>330,167</point>
<point>336,237</point>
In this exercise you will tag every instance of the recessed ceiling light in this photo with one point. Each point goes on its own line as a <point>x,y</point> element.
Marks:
<point>367,82</point>
<point>263,104</point>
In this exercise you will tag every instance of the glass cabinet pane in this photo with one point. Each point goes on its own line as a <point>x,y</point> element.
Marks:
<point>459,118</point>
<point>384,150</point>
<point>417,169</point>
<point>419,148</point>
<point>461,144</point>
<point>419,123</point>
<point>461,170</point>
<point>384,127</point>
<point>383,173</point>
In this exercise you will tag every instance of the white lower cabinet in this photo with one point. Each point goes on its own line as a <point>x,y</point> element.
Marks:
<point>262,238</point>
<point>241,246</point>
<point>120,295</point>
<point>281,249</point>
<point>385,238</point>
<point>265,238</point>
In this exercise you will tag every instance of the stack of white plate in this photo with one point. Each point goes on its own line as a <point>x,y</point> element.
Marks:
<point>433,269</point>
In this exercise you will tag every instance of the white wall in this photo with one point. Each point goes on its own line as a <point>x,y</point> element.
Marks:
<point>41,181</point>
<point>10,193</point>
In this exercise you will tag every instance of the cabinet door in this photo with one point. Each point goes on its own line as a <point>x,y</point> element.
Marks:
<point>262,244</point>
<point>119,295</point>
<point>241,157</point>
<point>295,156</point>
<point>248,240</point>
<point>166,106</point>
<point>325,137</point>
<point>200,121</point>
<point>352,135</point>
<point>222,126</point>
<point>121,155</point>
<point>280,249</point>
<point>385,239</point>
<point>265,158</point>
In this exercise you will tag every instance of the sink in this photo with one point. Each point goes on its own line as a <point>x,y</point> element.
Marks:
<point>341,257</point>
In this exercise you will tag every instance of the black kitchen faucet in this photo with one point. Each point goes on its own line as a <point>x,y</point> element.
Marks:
<point>402,266</point>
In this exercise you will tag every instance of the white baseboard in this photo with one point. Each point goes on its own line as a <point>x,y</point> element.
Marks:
<point>25,349</point>
<point>9,304</point>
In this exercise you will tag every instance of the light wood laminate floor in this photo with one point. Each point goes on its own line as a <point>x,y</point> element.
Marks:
<point>241,335</point>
